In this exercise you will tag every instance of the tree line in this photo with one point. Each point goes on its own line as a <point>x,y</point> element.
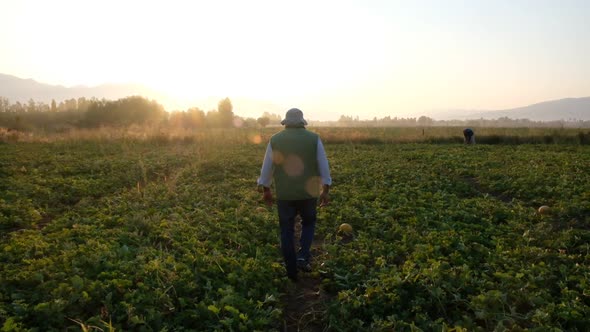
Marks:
<point>424,121</point>
<point>134,110</point>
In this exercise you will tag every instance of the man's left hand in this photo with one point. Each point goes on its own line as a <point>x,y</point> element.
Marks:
<point>267,196</point>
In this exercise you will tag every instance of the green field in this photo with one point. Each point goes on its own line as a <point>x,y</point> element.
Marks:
<point>168,235</point>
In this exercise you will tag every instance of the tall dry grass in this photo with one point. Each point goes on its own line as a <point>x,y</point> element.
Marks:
<point>330,135</point>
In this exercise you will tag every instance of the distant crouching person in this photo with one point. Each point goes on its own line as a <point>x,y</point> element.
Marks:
<point>469,136</point>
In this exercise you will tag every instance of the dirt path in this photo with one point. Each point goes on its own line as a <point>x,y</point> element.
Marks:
<point>305,302</point>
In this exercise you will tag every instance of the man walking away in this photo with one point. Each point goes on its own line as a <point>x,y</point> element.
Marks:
<point>296,160</point>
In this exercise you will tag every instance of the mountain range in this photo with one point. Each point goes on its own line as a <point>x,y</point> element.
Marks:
<point>567,109</point>
<point>22,90</point>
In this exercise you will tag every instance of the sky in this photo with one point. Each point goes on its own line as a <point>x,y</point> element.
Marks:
<point>370,58</point>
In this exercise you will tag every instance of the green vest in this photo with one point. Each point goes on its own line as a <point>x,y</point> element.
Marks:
<point>296,175</point>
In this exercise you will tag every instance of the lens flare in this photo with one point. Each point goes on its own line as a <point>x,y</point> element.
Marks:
<point>256,139</point>
<point>313,186</point>
<point>238,123</point>
<point>277,157</point>
<point>293,165</point>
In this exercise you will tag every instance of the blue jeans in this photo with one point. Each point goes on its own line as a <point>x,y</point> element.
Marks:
<point>287,212</point>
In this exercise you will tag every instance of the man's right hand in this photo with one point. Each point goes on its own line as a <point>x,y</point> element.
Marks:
<point>324,196</point>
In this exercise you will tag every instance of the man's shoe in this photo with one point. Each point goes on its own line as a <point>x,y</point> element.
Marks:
<point>303,265</point>
<point>293,277</point>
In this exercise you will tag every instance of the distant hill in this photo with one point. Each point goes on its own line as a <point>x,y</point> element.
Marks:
<point>553,110</point>
<point>22,90</point>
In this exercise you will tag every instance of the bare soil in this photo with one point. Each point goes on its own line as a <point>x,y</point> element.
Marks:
<point>305,302</point>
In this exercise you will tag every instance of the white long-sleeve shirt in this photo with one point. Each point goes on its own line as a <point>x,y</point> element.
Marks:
<point>265,178</point>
